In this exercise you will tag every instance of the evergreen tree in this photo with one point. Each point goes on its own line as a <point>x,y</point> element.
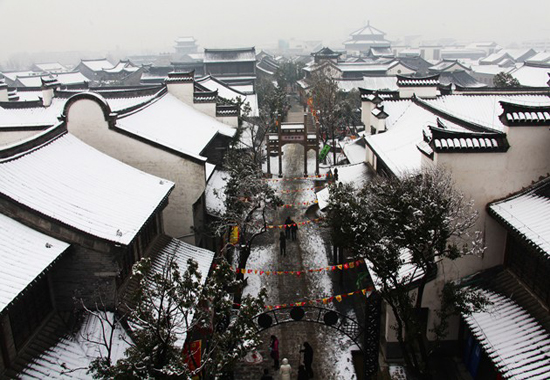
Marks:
<point>170,305</point>
<point>403,227</point>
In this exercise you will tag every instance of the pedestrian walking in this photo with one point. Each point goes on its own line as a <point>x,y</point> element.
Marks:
<point>274,351</point>
<point>302,373</point>
<point>293,229</point>
<point>308,358</point>
<point>285,370</point>
<point>266,375</point>
<point>282,243</point>
<point>288,223</point>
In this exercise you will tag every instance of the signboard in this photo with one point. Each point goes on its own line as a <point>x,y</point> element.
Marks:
<point>192,354</point>
<point>234,236</point>
<point>323,153</point>
<point>292,138</point>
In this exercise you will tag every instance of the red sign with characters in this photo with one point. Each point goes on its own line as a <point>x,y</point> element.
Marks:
<point>192,354</point>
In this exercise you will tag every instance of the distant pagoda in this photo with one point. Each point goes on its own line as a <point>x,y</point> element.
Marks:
<point>363,40</point>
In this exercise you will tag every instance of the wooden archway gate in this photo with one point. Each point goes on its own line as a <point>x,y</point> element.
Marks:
<point>305,134</point>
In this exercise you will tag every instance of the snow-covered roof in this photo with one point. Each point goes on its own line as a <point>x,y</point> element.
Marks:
<point>542,57</point>
<point>63,79</point>
<point>484,110</point>
<point>532,76</point>
<point>354,67</point>
<point>528,213</point>
<point>355,175</point>
<point>408,272</point>
<point>516,343</point>
<point>185,39</point>
<point>69,181</point>
<point>490,69</point>
<point>173,124</point>
<point>48,116</point>
<point>14,74</point>
<point>32,116</point>
<point>230,55</point>
<point>25,254</point>
<point>368,31</point>
<point>230,93</point>
<point>51,67</point>
<point>355,151</point>
<point>180,252</point>
<point>397,147</point>
<point>72,355</point>
<point>215,192</point>
<point>97,64</point>
<point>371,83</point>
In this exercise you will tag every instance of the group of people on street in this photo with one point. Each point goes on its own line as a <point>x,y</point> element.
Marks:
<point>305,371</point>
<point>291,231</point>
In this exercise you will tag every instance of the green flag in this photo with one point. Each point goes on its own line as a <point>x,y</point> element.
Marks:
<point>323,153</point>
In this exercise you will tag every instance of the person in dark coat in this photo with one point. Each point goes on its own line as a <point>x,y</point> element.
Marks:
<point>302,373</point>
<point>266,375</point>
<point>288,222</point>
<point>308,358</point>
<point>274,351</point>
<point>282,243</point>
<point>293,229</point>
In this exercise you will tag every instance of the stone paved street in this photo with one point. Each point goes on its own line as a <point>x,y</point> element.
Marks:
<point>311,250</point>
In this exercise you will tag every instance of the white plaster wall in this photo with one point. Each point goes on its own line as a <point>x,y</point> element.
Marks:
<point>421,92</point>
<point>206,108</point>
<point>486,177</point>
<point>379,124</point>
<point>183,91</point>
<point>86,121</point>
<point>399,69</point>
<point>4,95</point>
<point>366,115</point>
<point>232,121</point>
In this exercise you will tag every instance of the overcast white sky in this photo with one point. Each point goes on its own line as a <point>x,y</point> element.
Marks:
<point>100,25</point>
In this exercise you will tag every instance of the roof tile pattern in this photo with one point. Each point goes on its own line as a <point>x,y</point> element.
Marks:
<point>24,254</point>
<point>515,342</point>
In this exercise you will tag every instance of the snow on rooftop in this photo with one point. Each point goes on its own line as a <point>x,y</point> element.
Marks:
<point>528,214</point>
<point>79,186</point>
<point>407,273</point>
<point>516,343</point>
<point>355,175</point>
<point>355,151</point>
<point>14,74</point>
<point>397,146</point>
<point>71,356</point>
<point>170,122</point>
<point>98,64</point>
<point>484,110</point>
<point>180,252</point>
<point>489,69</point>
<point>32,116</point>
<point>532,76</point>
<point>371,83</point>
<point>231,93</point>
<point>49,116</point>
<point>24,254</point>
<point>51,67</point>
<point>214,192</point>
<point>62,78</point>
